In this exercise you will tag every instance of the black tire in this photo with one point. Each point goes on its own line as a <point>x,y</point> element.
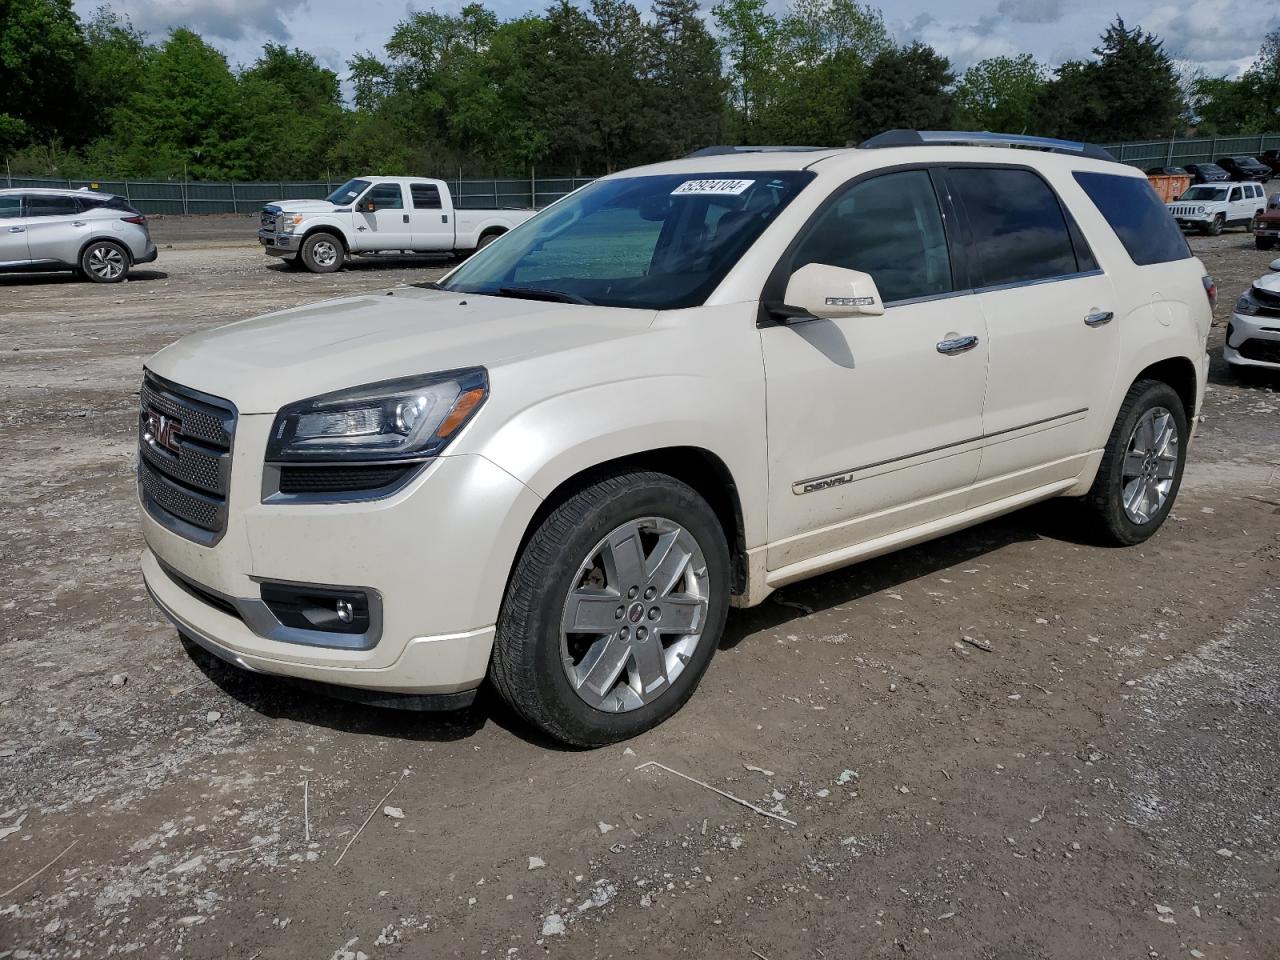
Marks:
<point>1264,243</point>
<point>322,253</point>
<point>1214,227</point>
<point>487,239</point>
<point>1104,503</point>
<point>526,667</point>
<point>105,261</point>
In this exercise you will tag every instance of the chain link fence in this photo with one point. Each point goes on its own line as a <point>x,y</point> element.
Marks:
<point>201,197</point>
<point>195,197</point>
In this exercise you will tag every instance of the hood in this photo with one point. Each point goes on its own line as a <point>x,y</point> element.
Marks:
<point>1270,283</point>
<point>301,206</point>
<point>264,363</point>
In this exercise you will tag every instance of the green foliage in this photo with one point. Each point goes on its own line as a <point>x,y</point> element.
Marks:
<point>1001,94</point>
<point>586,86</point>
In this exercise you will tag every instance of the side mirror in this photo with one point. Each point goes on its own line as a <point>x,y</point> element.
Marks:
<point>819,290</point>
<point>370,206</point>
<point>1275,265</point>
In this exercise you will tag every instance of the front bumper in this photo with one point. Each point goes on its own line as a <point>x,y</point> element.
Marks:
<point>279,244</point>
<point>1253,341</point>
<point>436,553</point>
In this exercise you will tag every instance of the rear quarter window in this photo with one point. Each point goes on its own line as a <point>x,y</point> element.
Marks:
<point>1137,215</point>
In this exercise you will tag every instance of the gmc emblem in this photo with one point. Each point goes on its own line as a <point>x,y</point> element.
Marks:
<point>162,431</point>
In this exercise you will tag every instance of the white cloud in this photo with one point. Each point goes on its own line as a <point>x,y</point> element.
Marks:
<point>256,20</point>
<point>1222,36</point>
<point>1032,11</point>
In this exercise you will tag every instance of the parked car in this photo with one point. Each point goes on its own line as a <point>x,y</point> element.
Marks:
<point>378,215</point>
<point>1245,168</point>
<point>1266,225</point>
<point>1272,159</point>
<point>1211,207</point>
<point>1206,173</point>
<point>1166,172</point>
<point>1253,333</point>
<point>98,235</point>
<point>680,388</point>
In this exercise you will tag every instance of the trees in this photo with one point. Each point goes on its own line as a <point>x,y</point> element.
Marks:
<point>905,87</point>
<point>1250,104</point>
<point>1001,94</point>
<point>41,47</point>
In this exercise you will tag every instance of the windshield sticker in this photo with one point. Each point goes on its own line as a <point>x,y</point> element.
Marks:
<point>704,188</point>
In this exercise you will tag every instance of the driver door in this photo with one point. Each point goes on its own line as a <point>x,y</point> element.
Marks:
<point>874,422</point>
<point>382,219</point>
<point>13,231</point>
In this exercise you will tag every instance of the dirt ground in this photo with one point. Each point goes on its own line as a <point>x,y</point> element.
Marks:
<point>1105,782</point>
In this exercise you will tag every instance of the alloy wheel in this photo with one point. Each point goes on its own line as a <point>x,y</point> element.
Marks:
<point>634,614</point>
<point>324,253</point>
<point>1150,465</point>
<point>106,262</point>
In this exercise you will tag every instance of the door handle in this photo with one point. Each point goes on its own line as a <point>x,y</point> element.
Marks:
<point>444,218</point>
<point>1099,318</point>
<point>406,218</point>
<point>957,345</point>
<point>17,229</point>
<point>77,223</point>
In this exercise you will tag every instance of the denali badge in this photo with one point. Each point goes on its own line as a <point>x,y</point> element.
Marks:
<point>162,431</point>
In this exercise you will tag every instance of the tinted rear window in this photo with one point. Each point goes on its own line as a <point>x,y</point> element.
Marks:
<point>1137,215</point>
<point>1019,232</point>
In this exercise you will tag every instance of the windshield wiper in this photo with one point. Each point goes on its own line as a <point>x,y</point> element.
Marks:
<point>538,293</point>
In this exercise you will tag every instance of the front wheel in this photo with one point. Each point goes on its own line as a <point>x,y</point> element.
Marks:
<point>1141,467</point>
<point>104,261</point>
<point>322,253</point>
<point>614,609</point>
<point>1214,227</point>
<point>1264,243</point>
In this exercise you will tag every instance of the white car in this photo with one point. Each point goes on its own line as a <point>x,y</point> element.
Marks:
<point>1253,333</point>
<point>378,215</point>
<point>1211,207</point>
<point>674,391</point>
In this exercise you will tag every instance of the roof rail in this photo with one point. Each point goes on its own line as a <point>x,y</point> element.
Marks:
<point>919,138</point>
<point>724,150</point>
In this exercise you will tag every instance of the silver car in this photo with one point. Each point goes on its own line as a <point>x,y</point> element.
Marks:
<point>98,235</point>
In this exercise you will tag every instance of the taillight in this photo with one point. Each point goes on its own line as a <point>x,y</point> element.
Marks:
<point>139,219</point>
<point>1210,291</point>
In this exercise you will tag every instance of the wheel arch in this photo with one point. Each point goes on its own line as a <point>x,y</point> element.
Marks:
<point>698,467</point>
<point>84,247</point>
<point>1178,372</point>
<point>325,228</point>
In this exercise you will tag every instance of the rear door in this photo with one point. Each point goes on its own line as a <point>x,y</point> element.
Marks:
<point>1049,312</point>
<point>428,218</point>
<point>13,231</point>
<point>382,219</point>
<point>55,230</point>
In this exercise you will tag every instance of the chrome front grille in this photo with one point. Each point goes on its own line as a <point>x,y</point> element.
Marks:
<point>184,458</point>
<point>268,220</point>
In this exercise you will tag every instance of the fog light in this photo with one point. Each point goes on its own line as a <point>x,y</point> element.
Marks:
<point>306,607</point>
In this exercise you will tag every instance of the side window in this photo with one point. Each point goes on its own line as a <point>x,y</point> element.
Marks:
<point>1019,232</point>
<point>1235,195</point>
<point>426,196</point>
<point>889,227</point>
<point>89,203</point>
<point>1137,215</point>
<point>387,196</point>
<point>10,208</point>
<point>45,205</point>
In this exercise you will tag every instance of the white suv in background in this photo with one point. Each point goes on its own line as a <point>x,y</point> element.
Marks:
<point>1211,207</point>
<point>674,391</point>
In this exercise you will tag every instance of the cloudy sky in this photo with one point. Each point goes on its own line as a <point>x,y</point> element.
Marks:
<point>1221,36</point>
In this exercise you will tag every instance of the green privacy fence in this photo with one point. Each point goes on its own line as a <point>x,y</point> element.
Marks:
<point>195,197</point>
<point>1177,152</point>
<point>191,196</point>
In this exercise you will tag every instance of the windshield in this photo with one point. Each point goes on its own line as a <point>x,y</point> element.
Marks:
<point>1205,193</point>
<point>348,191</point>
<point>656,243</point>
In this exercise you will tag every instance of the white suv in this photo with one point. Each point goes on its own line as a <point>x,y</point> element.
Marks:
<point>1210,207</point>
<point>674,391</point>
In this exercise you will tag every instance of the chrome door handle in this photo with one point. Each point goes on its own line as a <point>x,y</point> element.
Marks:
<point>77,223</point>
<point>17,229</point>
<point>957,345</point>
<point>1100,318</point>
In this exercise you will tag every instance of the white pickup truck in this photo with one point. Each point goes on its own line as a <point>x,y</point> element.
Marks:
<point>378,215</point>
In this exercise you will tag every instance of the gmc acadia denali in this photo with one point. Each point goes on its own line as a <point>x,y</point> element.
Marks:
<point>675,390</point>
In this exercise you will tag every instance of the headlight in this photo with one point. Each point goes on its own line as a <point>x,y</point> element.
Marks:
<point>288,221</point>
<point>1247,305</point>
<point>1200,209</point>
<point>395,420</point>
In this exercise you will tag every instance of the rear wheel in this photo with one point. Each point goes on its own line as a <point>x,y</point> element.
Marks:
<point>322,253</point>
<point>614,610</point>
<point>105,261</point>
<point>487,239</point>
<point>1142,465</point>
